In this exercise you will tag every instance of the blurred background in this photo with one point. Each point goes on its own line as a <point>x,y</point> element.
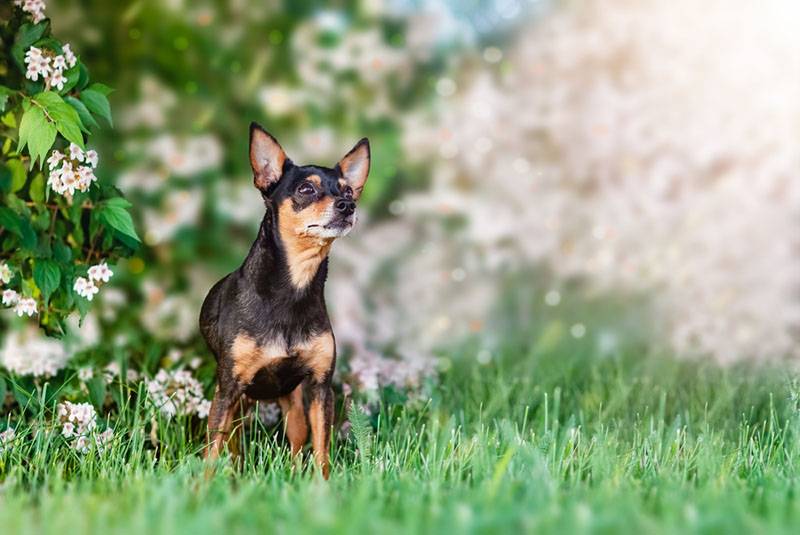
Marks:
<point>602,174</point>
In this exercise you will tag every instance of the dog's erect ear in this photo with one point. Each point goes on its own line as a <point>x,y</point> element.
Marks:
<point>266,157</point>
<point>354,167</point>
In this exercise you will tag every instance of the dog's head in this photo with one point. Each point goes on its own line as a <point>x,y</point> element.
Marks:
<point>311,201</point>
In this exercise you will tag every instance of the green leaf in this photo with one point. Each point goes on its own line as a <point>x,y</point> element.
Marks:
<point>72,75</point>
<point>37,133</point>
<point>36,189</point>
<point>62,253</point>
<point>97,391</point>
<point>97,103</point>
<point>113,212</point>
<point>83,78</point>
<point>4,94</point>
<point>66,118</point>
<point>47,276</point>
<point>19,226</point>
<point>28,34</point>
<point>18,174</point>
<point>83,112</point>
<point>103,89</point>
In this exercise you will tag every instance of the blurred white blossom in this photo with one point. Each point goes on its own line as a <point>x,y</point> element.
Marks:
<point>624,144</point>
<point>6,439</point>
<point>178,393</point>
<point>28,352</point>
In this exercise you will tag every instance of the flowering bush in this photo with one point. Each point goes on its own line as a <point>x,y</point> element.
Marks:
<point>56,220</point>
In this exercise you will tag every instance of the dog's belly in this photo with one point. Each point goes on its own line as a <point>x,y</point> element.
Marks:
<point>277,379</point>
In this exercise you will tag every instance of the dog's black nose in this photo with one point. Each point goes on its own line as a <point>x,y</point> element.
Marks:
<point>345,207</point>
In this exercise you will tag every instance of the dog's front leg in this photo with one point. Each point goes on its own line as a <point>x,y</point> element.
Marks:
<point>320,415</point>
<point>294,417</point>
<point>220,418</point>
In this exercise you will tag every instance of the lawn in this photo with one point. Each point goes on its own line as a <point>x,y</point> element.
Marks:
<point>537,441</point>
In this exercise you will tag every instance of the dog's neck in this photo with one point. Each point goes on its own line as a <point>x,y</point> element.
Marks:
<point>280,259</point>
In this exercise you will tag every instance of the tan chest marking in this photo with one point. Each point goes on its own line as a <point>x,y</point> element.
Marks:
<point>249,357</point>
<point>304,253</point>
<point>318,353</point>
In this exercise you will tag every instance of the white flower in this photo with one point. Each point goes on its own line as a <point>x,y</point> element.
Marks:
<point>26,305</point>
<point>75,152</point>
<point>10,297</point>
<point>85,288</point>
<point>68,55</point>
<point>195,363</point>
<point>5,273</point>
<point>81,444</point>
<point>85,373</point>
<point>6,438</point>
<point>57,80</point>
<point>100,272</point>
<point>55,158</point>
<point>33,53</point>
<point>68,429</point>
<point>34,7</point>
<point>37,64</point>
<point>85,177</point>
<point>103,439</point>
<point>91,157</point>
<point>59,63</point>
<point>68,179</point>
<point>203,408</point>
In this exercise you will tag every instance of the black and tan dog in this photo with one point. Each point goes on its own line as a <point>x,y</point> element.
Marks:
<point>266,322</point>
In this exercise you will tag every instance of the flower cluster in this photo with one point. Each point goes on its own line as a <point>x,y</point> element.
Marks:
<point>49,65</point>
<point>78,425</point>
<point>178,393</point>
<point>98,275</point>
<point>72,172</point>
<point>33,7</point>
<point>22,305</point>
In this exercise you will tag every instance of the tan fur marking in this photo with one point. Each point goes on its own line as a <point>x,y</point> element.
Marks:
<point>314,179</point>
<point>318,353</point>
<point>294,419</point>
<point>249,357</point>
<point>304,253</point>
<point>316,416</point>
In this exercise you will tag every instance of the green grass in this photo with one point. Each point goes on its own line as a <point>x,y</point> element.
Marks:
<point>534,441</point>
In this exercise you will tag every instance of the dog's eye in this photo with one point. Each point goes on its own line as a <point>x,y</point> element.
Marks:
<point>347,193</point>
<point>306,189</point>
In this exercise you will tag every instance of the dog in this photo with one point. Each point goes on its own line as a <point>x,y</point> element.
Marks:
<point>267,323</point>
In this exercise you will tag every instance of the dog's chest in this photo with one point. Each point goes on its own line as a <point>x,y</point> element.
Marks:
<point>272,368</point>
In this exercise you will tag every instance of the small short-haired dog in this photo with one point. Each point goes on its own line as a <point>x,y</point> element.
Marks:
<point>266,322</point>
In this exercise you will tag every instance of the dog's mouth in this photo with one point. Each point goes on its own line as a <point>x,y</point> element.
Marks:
<point>332,229</point>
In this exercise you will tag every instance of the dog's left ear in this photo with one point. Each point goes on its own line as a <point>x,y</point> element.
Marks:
<point>354,167</point>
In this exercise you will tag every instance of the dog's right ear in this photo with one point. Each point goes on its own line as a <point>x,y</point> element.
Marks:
<point>266,157</point>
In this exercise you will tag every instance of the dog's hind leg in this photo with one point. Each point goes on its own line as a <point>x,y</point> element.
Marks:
<point>294,419</point>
